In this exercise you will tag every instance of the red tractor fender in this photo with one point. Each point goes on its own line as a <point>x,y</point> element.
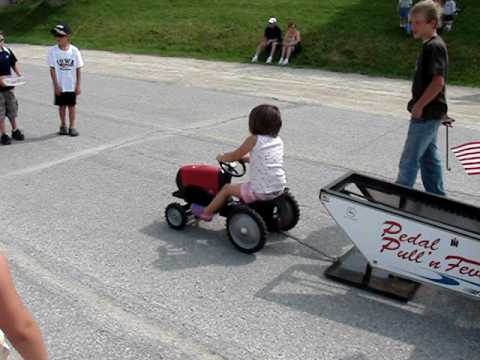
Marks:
<point>207,177</point>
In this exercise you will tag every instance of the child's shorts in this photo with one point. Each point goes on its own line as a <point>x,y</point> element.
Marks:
<point>8,104</point>
<point>66,99</point>
<point>248,196</point>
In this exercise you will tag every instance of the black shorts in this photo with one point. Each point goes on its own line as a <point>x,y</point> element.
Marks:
<point>296,49</point>
<point>66,99</point>
<point>448,18</point>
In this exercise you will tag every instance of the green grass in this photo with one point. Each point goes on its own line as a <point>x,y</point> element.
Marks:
<point>341,35</point>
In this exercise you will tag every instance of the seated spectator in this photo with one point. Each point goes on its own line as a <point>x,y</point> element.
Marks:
<point>15,320</point>
<point>272,37</point>
<point>449,11</point>
<point>404,7</point>
<point>291,44</point>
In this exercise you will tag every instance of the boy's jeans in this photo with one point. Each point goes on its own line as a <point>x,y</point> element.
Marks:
<point>421,151</point>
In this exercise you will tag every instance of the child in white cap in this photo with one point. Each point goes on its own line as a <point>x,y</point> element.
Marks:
<point>272,37</point>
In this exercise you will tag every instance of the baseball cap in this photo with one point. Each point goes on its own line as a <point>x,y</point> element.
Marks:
<point>272,20</point>
<point>61,29</point>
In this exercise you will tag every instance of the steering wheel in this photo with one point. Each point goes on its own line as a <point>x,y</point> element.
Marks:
<point>231,168</point>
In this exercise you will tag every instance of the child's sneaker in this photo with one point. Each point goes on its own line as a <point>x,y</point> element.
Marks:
<point>269,60</point>
<point>5,139</point>
<point>18,135</point>
<point>285,62</point>
<point>63,130</point>
<point>280,62</point>
<point>199,212</point>
<point>254,58</point>
<point>73,132</point>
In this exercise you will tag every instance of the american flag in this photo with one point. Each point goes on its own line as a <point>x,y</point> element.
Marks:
<point>469,156</point>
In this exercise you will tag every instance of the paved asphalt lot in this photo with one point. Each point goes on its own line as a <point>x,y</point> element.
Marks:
<point>82,225</point>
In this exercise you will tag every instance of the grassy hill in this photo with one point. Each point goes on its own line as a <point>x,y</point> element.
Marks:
<point>342,35</point>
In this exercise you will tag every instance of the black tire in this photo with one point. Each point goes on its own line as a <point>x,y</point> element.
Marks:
<point>246,229</point>
<point>176,216</point>
<point>288,212</point>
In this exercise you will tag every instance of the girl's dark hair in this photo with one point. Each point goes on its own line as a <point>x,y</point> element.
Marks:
<point>265,120</point>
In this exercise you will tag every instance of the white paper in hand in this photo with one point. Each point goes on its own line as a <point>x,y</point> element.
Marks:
<point>4,349</point>
<point>13,80</point>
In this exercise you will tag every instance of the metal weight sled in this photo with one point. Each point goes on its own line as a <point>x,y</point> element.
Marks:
<point>403,237</point>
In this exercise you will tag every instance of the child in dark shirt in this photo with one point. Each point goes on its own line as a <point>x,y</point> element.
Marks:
<point>8,101</point>
<point>272,38</point>
<point>428,105</point>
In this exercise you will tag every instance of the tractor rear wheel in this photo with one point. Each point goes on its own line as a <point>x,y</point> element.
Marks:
<point>246,229</point>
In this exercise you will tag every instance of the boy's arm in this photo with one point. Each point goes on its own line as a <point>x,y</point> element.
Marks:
<point>79,78</point>
<point>430,93</point>
<point>239,153</point>
<point>14,63</point>
<point>56,86</point>
<point>16,68</point>
<point>79,64</point>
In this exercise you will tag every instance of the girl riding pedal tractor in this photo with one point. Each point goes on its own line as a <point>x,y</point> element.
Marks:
<point>263,149</point>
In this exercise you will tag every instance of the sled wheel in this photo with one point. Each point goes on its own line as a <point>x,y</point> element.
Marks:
<point>176,216</point>
<point>246,229</point>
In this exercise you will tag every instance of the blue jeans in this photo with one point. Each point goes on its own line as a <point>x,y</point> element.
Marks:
<point>421,152</point>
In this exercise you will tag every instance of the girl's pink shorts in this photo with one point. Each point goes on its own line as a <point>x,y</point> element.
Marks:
<point>248,196</point>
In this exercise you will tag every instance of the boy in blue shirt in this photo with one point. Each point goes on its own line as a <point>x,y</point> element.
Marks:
<point>8,101</point>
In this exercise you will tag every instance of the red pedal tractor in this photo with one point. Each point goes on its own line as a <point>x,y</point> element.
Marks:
<point>247,224</point>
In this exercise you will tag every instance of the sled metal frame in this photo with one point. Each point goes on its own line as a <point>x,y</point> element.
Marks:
<point>441,212</point>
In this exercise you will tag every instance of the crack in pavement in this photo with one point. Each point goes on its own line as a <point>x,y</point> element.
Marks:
<point>97,300</point>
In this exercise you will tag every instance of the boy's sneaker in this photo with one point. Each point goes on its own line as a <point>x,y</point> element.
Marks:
<point>199,212</point>
<point>269,60</point>
<point>73,132</point>
<point>63,130</point>
<point>254,58</point>
<point>5,139</point>
<point>18,135</point>
<point>280,62</point>
<point>285,62</point>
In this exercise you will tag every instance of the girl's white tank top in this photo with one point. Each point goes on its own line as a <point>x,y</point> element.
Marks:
<point>266,165</point>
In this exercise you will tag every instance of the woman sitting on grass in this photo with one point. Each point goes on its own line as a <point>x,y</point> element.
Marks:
<point>291,44</point>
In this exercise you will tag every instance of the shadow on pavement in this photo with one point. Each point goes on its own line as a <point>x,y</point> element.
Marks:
<point>432,322</point>
<point>41,138</point>
<point>194,247</point>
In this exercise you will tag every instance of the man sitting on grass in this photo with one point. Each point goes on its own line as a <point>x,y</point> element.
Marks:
<point>272,38</point>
